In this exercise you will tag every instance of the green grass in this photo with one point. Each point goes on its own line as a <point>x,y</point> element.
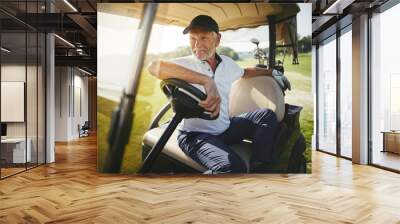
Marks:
<point>104,109</point>
<point>301,95</point>
<point>304,66</point>
<point>150,99</point>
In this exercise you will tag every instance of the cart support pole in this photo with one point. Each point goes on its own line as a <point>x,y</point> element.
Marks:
<point>122,117</point>
<point>158,147</point>
<point>272,41</point>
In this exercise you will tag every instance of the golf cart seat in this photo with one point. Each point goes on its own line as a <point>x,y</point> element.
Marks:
<point>173,152</point>
<point>253,93</point>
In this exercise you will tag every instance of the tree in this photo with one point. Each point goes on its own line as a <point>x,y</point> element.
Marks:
<point>227,51</point>
<point>304,44</point>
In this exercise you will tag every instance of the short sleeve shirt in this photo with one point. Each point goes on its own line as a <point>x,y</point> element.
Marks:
<point>225,74</point>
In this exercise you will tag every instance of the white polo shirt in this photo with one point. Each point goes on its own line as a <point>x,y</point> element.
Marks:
<point>226,73</point>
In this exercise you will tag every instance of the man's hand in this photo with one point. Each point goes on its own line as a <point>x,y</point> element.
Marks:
<point>213,101</point>
<point>165,70</point>
<point>154,68</point>
<point>281,79</point>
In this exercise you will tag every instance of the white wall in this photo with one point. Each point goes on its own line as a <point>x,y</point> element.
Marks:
<point>33,126</point>
<point>71,102</point>
<point>17,73</point>
<point>81,103</point>
<point>62,81</point>
<point>12,73</point>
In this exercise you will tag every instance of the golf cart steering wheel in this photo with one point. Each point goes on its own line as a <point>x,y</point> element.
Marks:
<point>184,99</point>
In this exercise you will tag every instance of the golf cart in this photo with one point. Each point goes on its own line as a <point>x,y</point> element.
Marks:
<point>161,152</point>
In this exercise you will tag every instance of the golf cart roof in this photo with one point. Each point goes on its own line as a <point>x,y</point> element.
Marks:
<point>230,16</point>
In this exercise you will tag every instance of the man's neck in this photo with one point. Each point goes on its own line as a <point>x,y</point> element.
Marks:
<point>213,62</point>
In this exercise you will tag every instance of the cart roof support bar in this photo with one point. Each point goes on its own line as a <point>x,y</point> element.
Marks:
<point>122,117</point>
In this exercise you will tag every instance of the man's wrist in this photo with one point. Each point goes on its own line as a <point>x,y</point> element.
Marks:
<point>204,79</point>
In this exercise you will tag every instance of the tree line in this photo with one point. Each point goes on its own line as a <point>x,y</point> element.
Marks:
<point>185,51</point>
<point>303,45</point>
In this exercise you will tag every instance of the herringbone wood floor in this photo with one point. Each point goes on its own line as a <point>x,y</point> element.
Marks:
<point>71,191</point>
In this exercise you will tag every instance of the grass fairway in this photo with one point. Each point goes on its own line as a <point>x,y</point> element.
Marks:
<point>150,99</point>
<point>304,66</point>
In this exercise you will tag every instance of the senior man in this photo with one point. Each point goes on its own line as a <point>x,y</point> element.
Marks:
<point>208,142</point>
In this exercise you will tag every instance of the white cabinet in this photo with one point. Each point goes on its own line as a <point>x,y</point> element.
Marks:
<point>17,145</point>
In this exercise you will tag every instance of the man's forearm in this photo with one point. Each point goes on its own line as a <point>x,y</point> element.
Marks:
<point>165,70</point>
<point>252,72</point>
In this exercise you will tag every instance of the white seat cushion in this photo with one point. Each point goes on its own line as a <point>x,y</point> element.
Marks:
<point>173,150</point>
<point>254,93</point>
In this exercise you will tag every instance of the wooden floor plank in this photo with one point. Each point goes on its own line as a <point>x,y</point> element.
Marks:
<point>71,191</point>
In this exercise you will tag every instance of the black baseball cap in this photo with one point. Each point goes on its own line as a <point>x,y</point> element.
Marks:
<point>204,22</point>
